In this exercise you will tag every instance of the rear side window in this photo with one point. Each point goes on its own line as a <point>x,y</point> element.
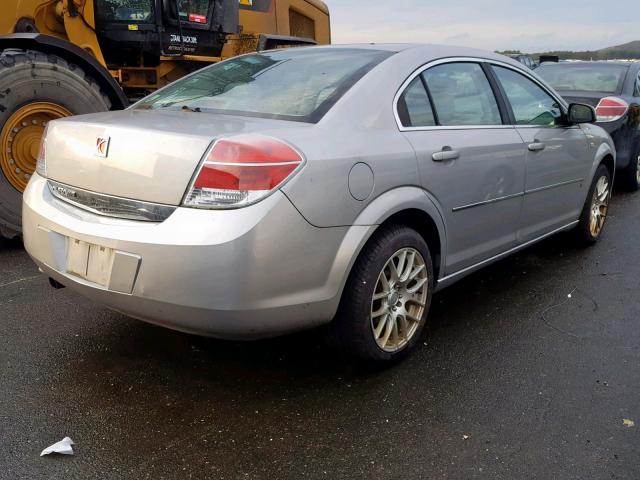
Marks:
<point>414,107</point>
<point>462,95</point>
<point>531,105</point>
<point>290,84</point>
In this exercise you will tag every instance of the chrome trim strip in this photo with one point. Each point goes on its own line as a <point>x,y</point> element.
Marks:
<point>448,278</point>
<point>457,127</point>
<point>487,202</point>
<point>237,164</point>
<point>109,205</point>
<point>515,195</point>
<point>555,185</point>
<point>478,60</point>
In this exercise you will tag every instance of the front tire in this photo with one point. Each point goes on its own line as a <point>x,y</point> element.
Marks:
<point>386,300</point>
<point>35,88</point>
<point>596,208</point>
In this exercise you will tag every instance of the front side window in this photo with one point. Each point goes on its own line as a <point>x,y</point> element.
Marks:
<point>290,84</point>
<point>637,89</point>
<point>139,11</point>
<point>531,105</point>
<point>462,95</point>
<point>414,107</point>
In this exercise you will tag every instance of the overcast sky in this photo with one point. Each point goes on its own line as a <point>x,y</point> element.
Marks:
<point>530,26</point>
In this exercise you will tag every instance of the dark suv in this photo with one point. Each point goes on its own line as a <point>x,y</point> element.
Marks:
<point>613,88</point>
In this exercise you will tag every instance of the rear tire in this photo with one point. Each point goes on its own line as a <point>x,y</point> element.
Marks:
<point>354,329</point>
<point>34,89</point>
<point>630,175</point>
<point>596,207</point>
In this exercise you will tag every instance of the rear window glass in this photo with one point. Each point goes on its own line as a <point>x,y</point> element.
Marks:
<point>603,78</point>
<point>292,84</point>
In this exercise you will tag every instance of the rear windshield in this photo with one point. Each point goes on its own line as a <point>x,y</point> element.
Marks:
<point>588,78</point>
<point>291,84</point>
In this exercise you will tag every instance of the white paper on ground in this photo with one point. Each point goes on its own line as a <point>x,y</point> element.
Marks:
<point>63,447</point>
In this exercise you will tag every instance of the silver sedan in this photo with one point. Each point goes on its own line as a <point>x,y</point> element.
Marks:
<point>290,189</point>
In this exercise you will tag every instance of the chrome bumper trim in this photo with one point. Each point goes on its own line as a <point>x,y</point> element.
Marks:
<point>110,206</point>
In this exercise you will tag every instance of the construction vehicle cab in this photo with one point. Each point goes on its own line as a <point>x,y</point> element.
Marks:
<point>70,57</point>
<point>150,28</point>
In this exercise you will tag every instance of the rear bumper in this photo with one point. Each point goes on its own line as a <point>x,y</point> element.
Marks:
<point>249,273</point>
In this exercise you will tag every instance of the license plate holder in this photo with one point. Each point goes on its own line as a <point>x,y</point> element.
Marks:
<point>90,262</point>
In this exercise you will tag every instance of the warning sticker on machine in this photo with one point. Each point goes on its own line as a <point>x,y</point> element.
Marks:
<point>195,18</point>
<point>248,3</point>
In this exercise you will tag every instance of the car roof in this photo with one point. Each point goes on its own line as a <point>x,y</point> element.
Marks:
<point>620,63</point>
<point>428,51</point>
<point>391,47</point>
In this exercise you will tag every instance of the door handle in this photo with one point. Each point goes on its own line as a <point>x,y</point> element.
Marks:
<point>445,155</point>
<point>536,146</point>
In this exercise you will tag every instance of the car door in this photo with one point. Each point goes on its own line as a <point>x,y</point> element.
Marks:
<point>468,160</point>
<point>557,164</point>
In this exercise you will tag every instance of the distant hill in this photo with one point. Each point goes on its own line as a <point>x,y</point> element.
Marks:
<point>629,50</point>
<point>628,47</point>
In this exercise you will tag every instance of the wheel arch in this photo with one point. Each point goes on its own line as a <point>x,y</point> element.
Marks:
<point>409,206</point>
<point>421,222</point>
<point>72,54</point>
<point>609,162</point>
<point>605,155</point>
<point>413,207</point>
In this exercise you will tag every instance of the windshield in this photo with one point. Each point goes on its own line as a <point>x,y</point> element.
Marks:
<point>291,84</point>
<point>605,78</point>
<point>125,10</point>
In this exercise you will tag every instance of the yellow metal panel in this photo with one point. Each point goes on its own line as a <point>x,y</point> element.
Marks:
<point>13,10</point>
<point>51,19</point>
<point>309,9</point>
<point>81,33</point>
<point>276,20</point>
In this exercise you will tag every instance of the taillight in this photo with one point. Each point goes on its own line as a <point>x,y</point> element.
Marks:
<point>611,109</point>
<point>41,163</point>
<point>242,170</point>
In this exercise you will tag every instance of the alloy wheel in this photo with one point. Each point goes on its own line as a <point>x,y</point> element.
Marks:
<point>599,206</point>
<point>20,140</point>
<point>399,300</point>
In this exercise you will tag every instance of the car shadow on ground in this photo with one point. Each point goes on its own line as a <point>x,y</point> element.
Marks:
<point>107,374</point>
<point>11,244</point>
<point>306,355</point>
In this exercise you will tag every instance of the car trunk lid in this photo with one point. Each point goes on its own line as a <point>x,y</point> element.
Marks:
<point>141,155</point>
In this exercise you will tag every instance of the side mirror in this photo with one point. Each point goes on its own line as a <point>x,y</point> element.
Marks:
<point>581,113</point>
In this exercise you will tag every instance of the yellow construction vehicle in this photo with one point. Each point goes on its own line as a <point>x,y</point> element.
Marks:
<point>70,57</point>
